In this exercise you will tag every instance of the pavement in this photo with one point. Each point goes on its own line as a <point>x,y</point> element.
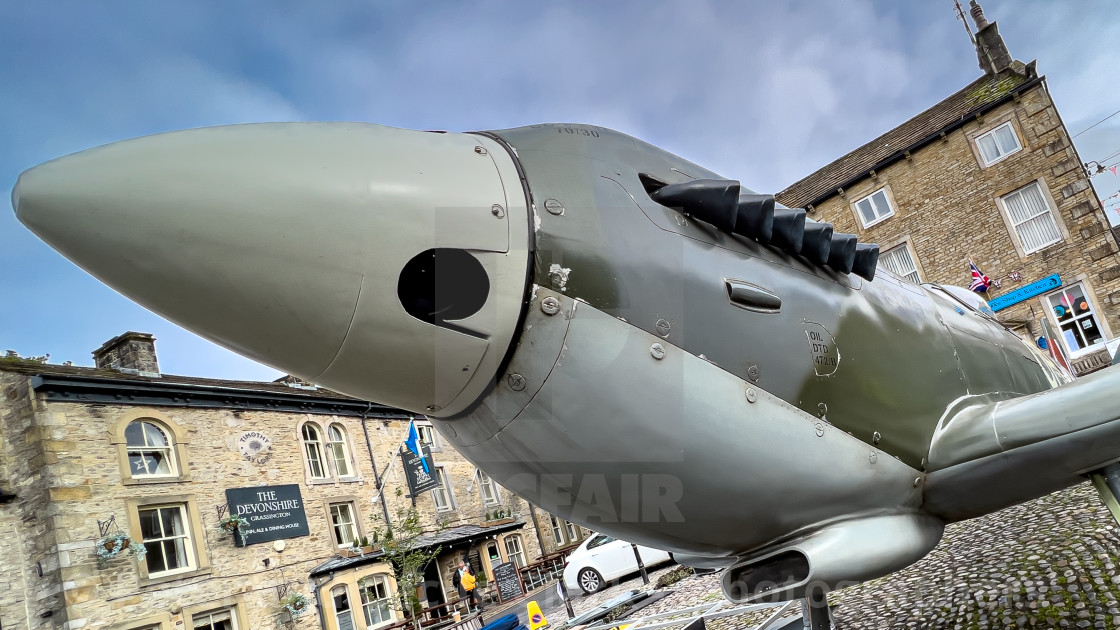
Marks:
<point>1048,563</point>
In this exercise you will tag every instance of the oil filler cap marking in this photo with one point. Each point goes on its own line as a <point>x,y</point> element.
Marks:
<point>822,349</point>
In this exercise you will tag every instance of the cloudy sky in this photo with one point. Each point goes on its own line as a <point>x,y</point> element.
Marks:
<point>763,92</point>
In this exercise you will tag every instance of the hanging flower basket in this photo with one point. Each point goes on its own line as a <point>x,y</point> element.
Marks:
<point>234,522</point>
<point>296,604</point>
<point>112,545</point>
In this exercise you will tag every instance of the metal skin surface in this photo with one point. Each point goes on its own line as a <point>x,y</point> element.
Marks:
<point>285,242</point>
<point>632,369</point>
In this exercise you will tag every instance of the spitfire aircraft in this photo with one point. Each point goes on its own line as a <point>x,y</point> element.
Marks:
<point>619,335</point>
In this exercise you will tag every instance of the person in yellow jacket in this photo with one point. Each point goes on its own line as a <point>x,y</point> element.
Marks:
<point>466,583</point>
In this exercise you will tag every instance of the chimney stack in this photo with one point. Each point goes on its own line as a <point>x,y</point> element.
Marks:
<point>991,52</point>
<point>131,353</point>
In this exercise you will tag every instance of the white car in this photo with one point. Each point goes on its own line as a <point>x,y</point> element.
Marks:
<point>601,559</point>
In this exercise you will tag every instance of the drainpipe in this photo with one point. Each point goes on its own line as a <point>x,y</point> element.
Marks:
<point>319,600</point>
<point>536,527</point>
<point>372,461</point>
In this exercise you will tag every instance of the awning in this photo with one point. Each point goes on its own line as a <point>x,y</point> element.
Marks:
<point>445,539</point>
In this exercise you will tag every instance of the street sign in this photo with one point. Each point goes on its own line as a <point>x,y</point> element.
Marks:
<point>1026,292</point>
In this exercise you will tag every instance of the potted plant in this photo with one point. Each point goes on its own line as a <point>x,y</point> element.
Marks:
<point>234,523</point>
<point>498,517</point>
<point>296,604</point>
<point>110,546</point>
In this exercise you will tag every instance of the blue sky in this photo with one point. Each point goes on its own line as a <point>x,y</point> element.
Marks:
<point>763,92</point>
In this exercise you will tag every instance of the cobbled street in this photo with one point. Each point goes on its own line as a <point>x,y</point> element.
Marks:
<point>1048,563</point>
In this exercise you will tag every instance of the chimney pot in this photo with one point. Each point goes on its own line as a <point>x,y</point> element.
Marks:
<point>977,14</point>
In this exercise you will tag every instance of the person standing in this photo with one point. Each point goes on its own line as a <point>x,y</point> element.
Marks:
<point>466,583</point>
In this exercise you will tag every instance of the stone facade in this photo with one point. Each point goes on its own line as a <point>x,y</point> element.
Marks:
<point>949,203</point>
<point>68,453</point>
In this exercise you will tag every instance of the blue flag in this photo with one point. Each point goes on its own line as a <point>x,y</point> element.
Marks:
<point>412,443</point>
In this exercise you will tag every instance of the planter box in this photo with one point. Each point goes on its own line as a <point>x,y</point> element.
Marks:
<point>350,553</point>
<point>501,521</point>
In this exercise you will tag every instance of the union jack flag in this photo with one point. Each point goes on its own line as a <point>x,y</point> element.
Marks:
<point>980,282</point>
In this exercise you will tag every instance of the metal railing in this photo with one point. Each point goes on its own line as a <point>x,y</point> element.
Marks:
<point>547,569</point>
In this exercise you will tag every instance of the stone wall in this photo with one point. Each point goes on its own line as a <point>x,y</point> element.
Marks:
<point>66,462</point>
<point>30,581</point>
<point>945,207</point>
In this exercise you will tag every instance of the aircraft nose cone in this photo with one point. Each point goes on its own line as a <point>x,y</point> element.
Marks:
<point>284,241</point>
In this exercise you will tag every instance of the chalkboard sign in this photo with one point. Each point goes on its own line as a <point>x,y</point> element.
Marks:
<point>508,582</point>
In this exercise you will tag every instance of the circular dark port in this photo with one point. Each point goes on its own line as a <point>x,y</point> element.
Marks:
<point>443,284</point>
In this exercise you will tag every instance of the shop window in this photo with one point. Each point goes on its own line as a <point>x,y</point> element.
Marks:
<point>165,532</point>
<point>1078,322</point>
<point>376,601</point>
<point>898,261</point>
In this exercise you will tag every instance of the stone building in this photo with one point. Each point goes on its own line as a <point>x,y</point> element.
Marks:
<point>121,449</point>
<point>990,175</point>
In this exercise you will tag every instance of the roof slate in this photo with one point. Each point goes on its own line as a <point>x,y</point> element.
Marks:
<point>34,368</point>
<point>962,105</point>
<point>450,535</point>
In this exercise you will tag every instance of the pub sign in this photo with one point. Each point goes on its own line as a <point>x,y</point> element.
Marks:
<point>273,513</point>
<point>420,472</point>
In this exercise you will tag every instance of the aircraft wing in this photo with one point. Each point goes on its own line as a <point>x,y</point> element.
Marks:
<point>989,453</point>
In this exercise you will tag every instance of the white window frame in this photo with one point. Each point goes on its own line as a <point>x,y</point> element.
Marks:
<point>903,247</point>
<point>1013,226</point>
<point>428,435</point>
<point>573,531</point>
<point>515,553</point>
<point>344,590</point>
<point>379,604</point>
<point>488,490</point>
<point>186,541</point>
<point>167,450</point>
<point>339,450</point>
<point>338,523</point>
<point>442,496</point>
<point>313,450</point>
<point>231,611</point>
<point>879,217</point>
<point>1093,314</point>
<point>557,530</point>
<point>1003,155</point>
